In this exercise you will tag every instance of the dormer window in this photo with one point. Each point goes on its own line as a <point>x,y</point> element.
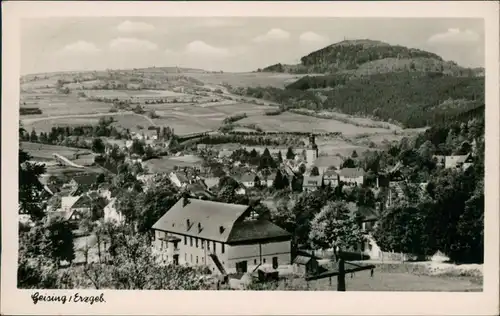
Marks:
<point>221,229</point>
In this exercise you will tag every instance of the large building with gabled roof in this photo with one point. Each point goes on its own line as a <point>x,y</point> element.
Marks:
<point>224,237</point>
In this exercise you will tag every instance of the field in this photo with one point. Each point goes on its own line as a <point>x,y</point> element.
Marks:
<point>70,110</point>
<point>393,281</point>
<point>246,79</point>
<point>43,152</point>
<point>288,122</point>
<point>165,164</point>
<point>123,120</point>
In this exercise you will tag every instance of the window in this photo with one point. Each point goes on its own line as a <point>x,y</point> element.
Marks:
<point>275,262</point>
<point>185,257</point>
<point>196,259</point>
<point>264,260</point>
<point>215,248</point>
<point>191,258</point>
<point>196,240</point>
<point>191,241</point>
<point>222,247</point>
<point>202,244</point>
<point>185,240</point>
<point>208,245</point>
<point>254,261</point>
<point>203,259</point>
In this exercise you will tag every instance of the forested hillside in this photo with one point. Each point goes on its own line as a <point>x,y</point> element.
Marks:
<point>382,81</point>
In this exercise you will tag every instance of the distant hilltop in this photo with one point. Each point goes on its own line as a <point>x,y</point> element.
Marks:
<point>366,57</point>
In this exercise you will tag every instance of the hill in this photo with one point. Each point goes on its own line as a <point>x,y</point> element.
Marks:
<point>365,57</point>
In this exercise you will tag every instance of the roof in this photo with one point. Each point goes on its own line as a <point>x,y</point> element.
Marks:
<point>327,161</point>
<point>212,182</point>
<point>225,153</point>
<point>182,177</point>
<point>272,176</point>
<point>68,201</point>
<point>255,230</point>
<point>351,172</point>
<point>85,179</point>
<point>396,168</point>
<point>330,174</point>
<point>312,181</point>
<point>210,215</point>
<point>247,177</point>
<point>301,260</point>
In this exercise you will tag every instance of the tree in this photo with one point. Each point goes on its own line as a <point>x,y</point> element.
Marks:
<point>33,136</point>
<point>30,188</point>
<point>404,228</point>
<point>348,163</point>
<point>152,204</point>
<point>314,171</point>
<point>60,240</point>
<point>280,157</point>
<point>137,147</point>
<point>290,154</point>
<point>98,146</point>
<point>354,154</point>
<point>334,227</point>
<point>302,169</point>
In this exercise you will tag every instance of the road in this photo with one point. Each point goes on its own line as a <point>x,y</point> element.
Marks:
<point>67,161</point>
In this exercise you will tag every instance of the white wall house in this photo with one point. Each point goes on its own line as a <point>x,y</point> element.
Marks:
<point>220,236</point>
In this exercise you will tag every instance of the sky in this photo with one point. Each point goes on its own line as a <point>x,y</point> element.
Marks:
<point>229,44</point>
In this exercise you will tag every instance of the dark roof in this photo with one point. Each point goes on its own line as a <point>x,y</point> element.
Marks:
<point>247,177</point>
<point>301,260</point>
<point>352,172</point>
<point>247,230</point>
<point>312,181</point>
<point>86,179</point>
<point>210,215</point>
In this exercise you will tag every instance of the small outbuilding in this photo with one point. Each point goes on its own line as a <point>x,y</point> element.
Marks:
<point>305,265</point>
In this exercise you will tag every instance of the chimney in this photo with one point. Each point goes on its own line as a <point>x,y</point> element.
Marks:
<point>188,224</point>
<point>185,201</point>
<point>199,227</point>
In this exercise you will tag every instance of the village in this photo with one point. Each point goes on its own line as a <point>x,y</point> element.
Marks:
<point>224,218</point>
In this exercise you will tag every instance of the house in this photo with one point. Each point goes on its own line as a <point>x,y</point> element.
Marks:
<point>326,163</point>
<point>248,179</point>
<point>331,178</point>
<point>267,180</point>
<point>460,162</point>
<point>367,218</point>
<point>219,236</point>
<point>111,214</point>
<point>179,179</point>
<point>352,176</point>
<point>104,190</point>
<point>305,265</point>
<point>76,207</point>
<point>440,160</point>
<point>83,182</point>
<point>199,191</point>
<point>312,183</point>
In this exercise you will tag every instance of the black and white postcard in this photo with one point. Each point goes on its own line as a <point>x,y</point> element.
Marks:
<point>250,158</point>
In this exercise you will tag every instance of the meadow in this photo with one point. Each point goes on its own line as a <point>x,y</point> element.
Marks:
<point>44,152</point>
<point>288,122</point>
<point>167,164</point>
<point>250,79</point>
